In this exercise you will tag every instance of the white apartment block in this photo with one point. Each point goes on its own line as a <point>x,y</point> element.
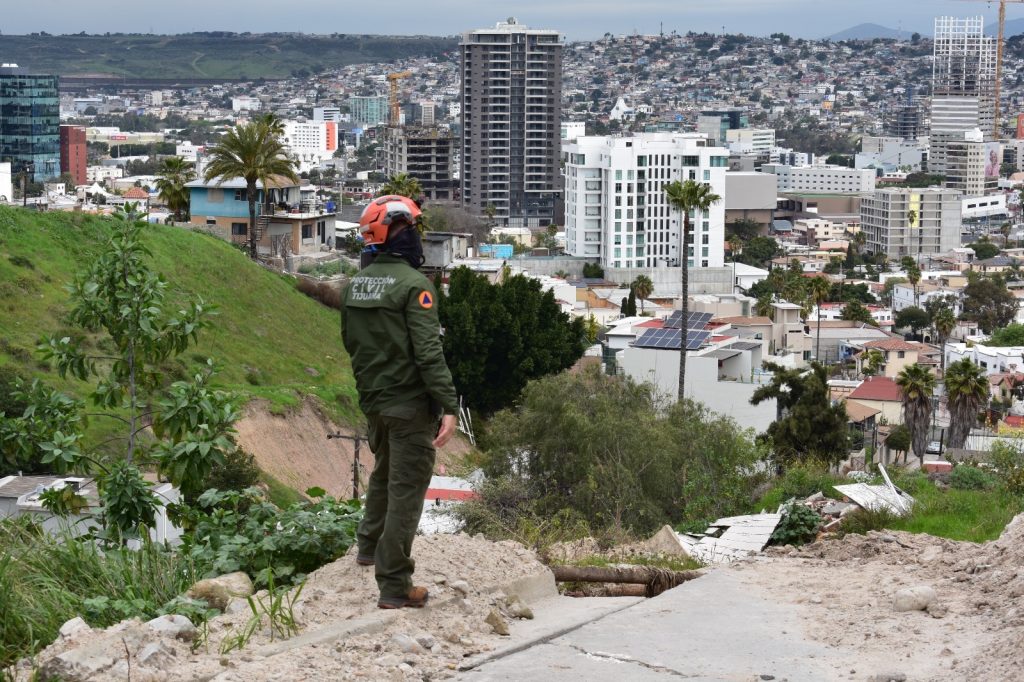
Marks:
<point>890,154</point>
<point>908,222</point>
<point>789,157</point>
<point>823,179</point>
<point>759,141</point>
<point>245,104</point>
<point>103,173</point>
<point>615,204</point>
<point>309,142</point>
<point>321,114</point>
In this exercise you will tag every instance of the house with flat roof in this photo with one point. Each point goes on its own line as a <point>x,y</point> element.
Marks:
<point>290,220</point>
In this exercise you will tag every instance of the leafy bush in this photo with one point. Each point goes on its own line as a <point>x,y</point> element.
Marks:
<point>241,531</point>
<point>799,481</point>
<point>799,524</point>
<point>1008,460</point>
<point>238,472</point>
<point>47,579</point>
<point>966,477</point>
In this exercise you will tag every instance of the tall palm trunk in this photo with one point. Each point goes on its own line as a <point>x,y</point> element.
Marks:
<point>817,345</point>
<point>917,415</point>
<point>250,194</point>
<point>684,259</point>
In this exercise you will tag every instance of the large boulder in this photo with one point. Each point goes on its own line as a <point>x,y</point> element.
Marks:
<point>914,598</point>
<point>217,592</point>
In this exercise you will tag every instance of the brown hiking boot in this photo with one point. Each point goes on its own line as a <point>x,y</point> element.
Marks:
<point>364,560</point>
<point>416,599</point>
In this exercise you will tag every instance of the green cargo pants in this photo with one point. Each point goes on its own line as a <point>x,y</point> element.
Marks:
<point>401,439</point>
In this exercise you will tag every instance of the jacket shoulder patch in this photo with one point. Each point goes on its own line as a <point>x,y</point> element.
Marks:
<point>426,300</point>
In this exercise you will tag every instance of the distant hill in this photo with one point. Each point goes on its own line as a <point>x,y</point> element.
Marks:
<point>867,32</point>
<point>220,55</point>
<point>1013,27</point>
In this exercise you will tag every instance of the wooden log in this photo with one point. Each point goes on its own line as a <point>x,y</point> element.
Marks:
<point>656,580</point>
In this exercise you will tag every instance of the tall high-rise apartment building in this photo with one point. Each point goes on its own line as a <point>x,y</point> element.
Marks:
<point>368,111</point>
<point>29,122</point>
<point>901,222</point>
<point>963,96</point>
<point>424,153</point>
<point>510,113</point>
<point>615,204</point>
<point>73,153</point>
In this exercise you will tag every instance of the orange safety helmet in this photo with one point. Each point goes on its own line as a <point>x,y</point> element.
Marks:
<point>381,213</point>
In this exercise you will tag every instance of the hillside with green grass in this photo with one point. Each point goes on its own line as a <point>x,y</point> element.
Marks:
<point>267,340</point>
<point>212,54</point>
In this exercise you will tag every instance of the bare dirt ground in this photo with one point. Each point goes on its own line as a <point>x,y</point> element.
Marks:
<point>464,576</point>
<point>295,450</point>
<point>974,630</point>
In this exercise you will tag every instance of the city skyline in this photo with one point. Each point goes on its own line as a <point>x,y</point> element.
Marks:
<point>577,20</point>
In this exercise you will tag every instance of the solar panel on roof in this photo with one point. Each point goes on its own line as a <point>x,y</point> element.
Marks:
<point>693,320</point>
<point>670,339</point>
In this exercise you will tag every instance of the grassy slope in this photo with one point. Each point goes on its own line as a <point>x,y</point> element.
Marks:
<point>208,56</point>
<point>266,331</point>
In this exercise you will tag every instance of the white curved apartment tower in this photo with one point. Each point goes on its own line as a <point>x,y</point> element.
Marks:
<point>615,204</point>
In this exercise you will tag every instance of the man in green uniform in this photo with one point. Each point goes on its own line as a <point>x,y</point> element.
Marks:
<point>390,327</point>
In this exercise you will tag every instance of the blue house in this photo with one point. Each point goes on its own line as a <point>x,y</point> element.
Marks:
<point>290,219</point>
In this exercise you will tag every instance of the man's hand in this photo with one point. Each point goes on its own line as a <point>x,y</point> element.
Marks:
<point>447,430</point>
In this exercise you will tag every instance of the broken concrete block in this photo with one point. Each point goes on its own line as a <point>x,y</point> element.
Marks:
<point>177,626</point>
<point>496,622</point>
<point>73,627</point>
<point>914,598</point>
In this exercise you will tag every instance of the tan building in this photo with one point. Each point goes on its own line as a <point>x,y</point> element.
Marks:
<point>897,353</point>
<point>882,394</point>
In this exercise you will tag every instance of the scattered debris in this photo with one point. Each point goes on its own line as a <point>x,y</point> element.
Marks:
<point>731,538</point>
<point>914,598</point>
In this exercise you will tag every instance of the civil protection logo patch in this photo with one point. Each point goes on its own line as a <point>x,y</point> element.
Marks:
<point>426,300</point>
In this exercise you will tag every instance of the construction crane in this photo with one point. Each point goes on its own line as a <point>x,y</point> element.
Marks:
<point>999,53</point>
<point>393,106</point>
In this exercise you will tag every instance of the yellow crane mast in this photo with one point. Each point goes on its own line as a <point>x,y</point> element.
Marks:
<point>393,105</point>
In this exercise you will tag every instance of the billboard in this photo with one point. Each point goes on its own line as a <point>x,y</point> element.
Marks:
<point>993,159</point>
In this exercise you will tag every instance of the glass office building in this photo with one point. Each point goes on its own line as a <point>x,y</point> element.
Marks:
<point>29,122</point>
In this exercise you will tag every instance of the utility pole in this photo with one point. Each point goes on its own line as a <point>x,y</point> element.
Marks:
<point>357,442</point>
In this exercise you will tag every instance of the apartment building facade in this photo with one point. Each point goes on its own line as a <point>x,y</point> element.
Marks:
<point>29,122</point>
<point>368,111</point>
<point>822,179</point>
<point>510,105</point>
<point>424,153</point>
<point>902,222</point>
<point>616,209</point>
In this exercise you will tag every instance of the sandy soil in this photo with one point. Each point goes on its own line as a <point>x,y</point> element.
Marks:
<point>295,450</point>
<point>341,591</point>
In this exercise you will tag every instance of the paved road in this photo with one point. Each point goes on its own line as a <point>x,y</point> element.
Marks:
<point>714,628</point>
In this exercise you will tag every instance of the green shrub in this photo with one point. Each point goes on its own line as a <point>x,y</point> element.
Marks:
<point>799,481</point>
<point>242,531</point>
<point>965,477</point>
<point>45,580</point>
<point>799,525</point>
<point>238,472</point>
<point>860,521</point>
<point>1008,460</point>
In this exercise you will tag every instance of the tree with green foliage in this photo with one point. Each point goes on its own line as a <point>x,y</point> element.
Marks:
<point>253,152</point>
<point>631,304</point>
<point>944,323</point>
<point>744,228</point>
<point>855,311</point>
<point>643,287</point>
<point>402,184</point>
<point>118,295</point>
<point>871,362</point>
<point>599,447</point>
<point>913,317</point>
<point>913,273</point>
<point>690,198</point>
<point>967,391</point>
<point>810,426</point>
<point>898,440</point>
<point>500,336</point>
<point>988,302</point>
<point>174,174</point>
<point>593,271</point>
<point>759,251</point>
<point>1010,335</point>
<point>917,385</point>
<point>984,249</point>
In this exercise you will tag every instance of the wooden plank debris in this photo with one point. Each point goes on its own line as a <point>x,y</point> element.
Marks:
<point>731,538</point>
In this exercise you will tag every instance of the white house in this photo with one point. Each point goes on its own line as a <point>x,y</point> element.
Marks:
<point>992,359</point>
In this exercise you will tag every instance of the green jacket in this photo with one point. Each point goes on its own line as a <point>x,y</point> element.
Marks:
<point>389,326</point>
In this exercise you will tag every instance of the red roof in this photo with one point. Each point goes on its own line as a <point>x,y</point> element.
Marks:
<point>456,495</point>
<point>1013,421</point>
<point>878,388</point>
<point>893,344</point>
<point>136,193</point>
<point>652,324</point>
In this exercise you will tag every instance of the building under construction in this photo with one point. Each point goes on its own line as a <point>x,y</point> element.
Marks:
<point>424,153</point>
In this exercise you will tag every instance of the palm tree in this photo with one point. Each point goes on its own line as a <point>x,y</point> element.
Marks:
<point>402,184</point>
<point>254,153</point>
<point>967,391</point>
<point>859,240</point>
<point>911,217</point>
<point>871,362</point>
<point>917,384</point>
<point>687,197</point>
<point>643,287</point>
<point>945,323</point>
<point>763,306</point>
<point>174,174</point>
<point>913,273</point>
<point>819,289</point>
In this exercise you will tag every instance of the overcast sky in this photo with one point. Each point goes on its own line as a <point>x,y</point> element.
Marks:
<point>578,19</point>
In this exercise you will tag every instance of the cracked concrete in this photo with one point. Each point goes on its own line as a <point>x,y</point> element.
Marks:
<point>719,627</point>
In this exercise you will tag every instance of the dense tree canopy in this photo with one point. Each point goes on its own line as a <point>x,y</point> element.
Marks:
<point>499,336</point>
<point>1010,335</point>
<point>988,302</point>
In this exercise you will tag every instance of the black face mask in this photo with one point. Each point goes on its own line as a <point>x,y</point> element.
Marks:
<point>407,245</point>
